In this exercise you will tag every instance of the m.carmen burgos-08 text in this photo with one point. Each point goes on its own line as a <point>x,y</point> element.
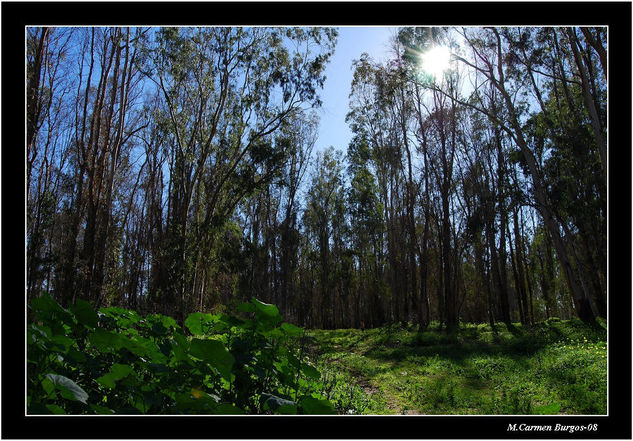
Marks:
<point>548,428</point>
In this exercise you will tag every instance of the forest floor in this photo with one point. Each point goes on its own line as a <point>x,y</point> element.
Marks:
<point>555,367</point>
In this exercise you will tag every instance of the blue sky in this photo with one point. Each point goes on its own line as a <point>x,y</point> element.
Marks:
<point>352,42</point>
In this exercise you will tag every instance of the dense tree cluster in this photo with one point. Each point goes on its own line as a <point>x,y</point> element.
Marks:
<point>172,170</point>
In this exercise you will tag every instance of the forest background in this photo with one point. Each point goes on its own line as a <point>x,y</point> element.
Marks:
<point>173,170</point>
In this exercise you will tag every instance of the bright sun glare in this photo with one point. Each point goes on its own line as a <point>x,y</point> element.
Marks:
<point>436,60</point>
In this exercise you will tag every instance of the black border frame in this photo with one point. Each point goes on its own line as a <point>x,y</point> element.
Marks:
<point>17,15</point>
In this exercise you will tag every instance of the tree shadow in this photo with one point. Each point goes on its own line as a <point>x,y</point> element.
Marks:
<point>458,346</point>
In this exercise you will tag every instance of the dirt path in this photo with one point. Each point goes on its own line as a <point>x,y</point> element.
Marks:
<point>378,394</point>
<point>394,405</point>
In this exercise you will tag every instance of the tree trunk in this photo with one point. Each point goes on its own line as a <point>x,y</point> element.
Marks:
<point>584,305</point>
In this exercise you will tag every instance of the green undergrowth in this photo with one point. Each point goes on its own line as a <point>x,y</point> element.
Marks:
<point>555,367</point>
<point>115,361</point>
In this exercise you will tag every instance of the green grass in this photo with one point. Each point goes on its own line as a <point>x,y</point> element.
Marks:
<point>555,367</point>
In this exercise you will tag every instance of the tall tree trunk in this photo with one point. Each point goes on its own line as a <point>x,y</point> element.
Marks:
<point>521,298</point>
<point>583,304</point>
<point>33,103</point>
<point>598,131</point>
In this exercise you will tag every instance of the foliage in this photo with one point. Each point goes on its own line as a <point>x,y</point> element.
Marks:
<point>115,361</point>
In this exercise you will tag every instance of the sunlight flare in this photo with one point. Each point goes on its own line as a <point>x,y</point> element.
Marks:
<point>436,60</point>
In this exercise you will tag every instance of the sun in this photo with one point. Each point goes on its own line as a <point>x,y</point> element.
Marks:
<point>436,60</point>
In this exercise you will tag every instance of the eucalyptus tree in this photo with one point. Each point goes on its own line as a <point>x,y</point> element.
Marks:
<point>489,61</point>
<point>323,222</point>
<point>370,149</point>
<point>367,228</point>
<point>37,61</point>
<point>380,116</point>
<point>112,144</point>
<point>563,66</point>
<point>300,134</point>
<point>81,120</point>
<point>270,216</point>
<point>443,137</point>
<point>439,116</point>
<point>496,215</point>
<point>476,194</point>
<point>541,250</point>
<point>47,112</point>
<point>428,210</point>
<point>593,92</point>
<point>225,93</point>
<point>402,108</point>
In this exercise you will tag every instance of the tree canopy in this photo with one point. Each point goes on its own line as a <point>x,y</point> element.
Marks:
<point>173,170</point>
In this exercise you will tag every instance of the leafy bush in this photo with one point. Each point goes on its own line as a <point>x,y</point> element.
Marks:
<point>114,361</point>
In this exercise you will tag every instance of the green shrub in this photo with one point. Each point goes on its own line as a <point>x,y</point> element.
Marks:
<point>114,361</point>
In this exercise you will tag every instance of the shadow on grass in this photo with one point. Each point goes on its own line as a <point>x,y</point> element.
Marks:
<point>514,341</point>
<point>457,369</point>
<point>439,372</point>
<point>459,352</point>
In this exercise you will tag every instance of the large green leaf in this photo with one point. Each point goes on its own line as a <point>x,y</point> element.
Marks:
<point>180,348</point>
<point>214,353</point>
<point>288,409</point>
<point>74,357</point>
<point>310,371</point>
<point>61,343</point>
<point>291,330</point>
<point>144,347</point>
<point>160,325</point>
<point>117,372</point>
<point>271,332</point>
<point>38,408</point>
<point>246,307</point>
<point>315,406</point>
<point>201,403</point>
<point>39,341</point>
<point>105,341</point>
<point>49,387</point>
<point>85,314</point>
<point>265,309</point>
<point>38,333</point>
<point>50,312</point>
<point>267,317</point>
<point>199,323</point>
<point>167,321</point>
<point>227,321</point>
<point>68,388</point>
<point>44,305</point>
<point>122,317</point>
<point>181,340</point>
<point>202,395</point>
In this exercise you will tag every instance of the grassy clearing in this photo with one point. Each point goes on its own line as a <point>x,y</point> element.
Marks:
<point>555,367</point>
